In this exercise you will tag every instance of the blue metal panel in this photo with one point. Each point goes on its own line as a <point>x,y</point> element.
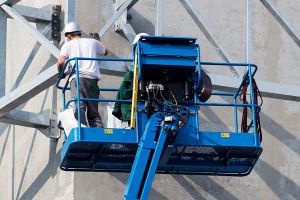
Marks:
<point>168,50</point>
<point>165,40</point>
<point>186,63</point>
<point>215,139</point>
<point>93,137</point>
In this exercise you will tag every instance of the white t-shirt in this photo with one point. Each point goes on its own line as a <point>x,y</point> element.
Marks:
<point>87,48</point>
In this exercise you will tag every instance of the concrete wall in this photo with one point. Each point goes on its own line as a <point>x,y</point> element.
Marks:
<point>29,161</point>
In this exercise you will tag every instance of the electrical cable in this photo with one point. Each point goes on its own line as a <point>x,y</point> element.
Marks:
<point>256,92</point>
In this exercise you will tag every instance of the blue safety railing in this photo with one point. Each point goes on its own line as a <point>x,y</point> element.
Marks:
<point>75,69</point>
<point>169,136</point>
<point>250,72</point>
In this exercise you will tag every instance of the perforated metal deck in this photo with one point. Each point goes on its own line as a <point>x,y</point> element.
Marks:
<point>88,155</point>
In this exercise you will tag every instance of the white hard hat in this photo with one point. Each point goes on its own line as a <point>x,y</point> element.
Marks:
<point>138,37</point>
<point>72,27</point>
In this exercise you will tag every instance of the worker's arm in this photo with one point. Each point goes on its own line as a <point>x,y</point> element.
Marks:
<point>102,49</point>
<point>106,51</point>
<point>60,63</point>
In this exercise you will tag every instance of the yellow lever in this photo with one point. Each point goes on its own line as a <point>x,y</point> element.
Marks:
<point>134,93</point>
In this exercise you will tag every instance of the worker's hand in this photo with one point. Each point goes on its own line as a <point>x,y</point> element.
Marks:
<point>63,76</point>
<point>94,36</point>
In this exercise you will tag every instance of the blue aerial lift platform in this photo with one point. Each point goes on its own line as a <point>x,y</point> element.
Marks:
<point>170,88</point>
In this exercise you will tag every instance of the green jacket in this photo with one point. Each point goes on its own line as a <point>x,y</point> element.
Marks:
<point>123,110</point>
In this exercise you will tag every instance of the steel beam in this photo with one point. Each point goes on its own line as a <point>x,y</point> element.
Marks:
<point>208,34</point>
<point>249,31</point>
<point>41,82</point>
<point>69,11</point>
<point>224,83</point>
<point>27,119</point>
<point>3,36</point>
<point>267,89</point>
<point>9,2</point>
<point>113,68</point>
<point>282,21</point>
<point>159,17</point>
<point>34,14</point>
<point>45,121</point>
<point>25,24</point>
<point>128,31</point>
<point>126,5</point>
<point>132,4</point>
<point>121,23</point>
<point>30,58</point>
<point>26,91</point>
<point>45,79</point>
<point>123,16</point>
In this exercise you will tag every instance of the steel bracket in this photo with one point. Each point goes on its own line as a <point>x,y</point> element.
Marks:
<point>52,131</point>
<point>56,23</point>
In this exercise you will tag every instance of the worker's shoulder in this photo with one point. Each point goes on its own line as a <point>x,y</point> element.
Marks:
<point>90,40</point>
<point>69,43</point>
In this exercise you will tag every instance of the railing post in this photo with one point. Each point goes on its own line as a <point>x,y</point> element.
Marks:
<point>252,103</point>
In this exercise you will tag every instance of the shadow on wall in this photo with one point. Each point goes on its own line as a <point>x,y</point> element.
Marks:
<point>281,185</point>
<point>50,62</point>
<point>21,75</point>
<point>139,23</point>
<point>2,130</point>
<point>181,179</point>
<point>7,128</point>
<point>124,178</point>
<point>206,183</point>
<point>50,169</point>
<point>280,133</point>
<point>46,31</point>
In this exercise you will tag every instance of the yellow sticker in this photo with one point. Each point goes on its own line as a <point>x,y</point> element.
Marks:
<point>108,131</point>
<point>225,135</point>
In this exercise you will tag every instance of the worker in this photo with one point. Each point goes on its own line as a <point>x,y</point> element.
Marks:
<point>137,38</point>
<point>89,72</point>
<point>123,110</point>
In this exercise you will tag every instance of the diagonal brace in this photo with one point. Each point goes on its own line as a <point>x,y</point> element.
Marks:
<point>33,14</point>
<point>26,91</point>
<point>267,89</point>
<point>128,31</point>
<point>208,34</point>
<point>9,2</point>
<point>39,36</point>
<point>282,21</point>
<point>126,5</point>
<point>45,121</point>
